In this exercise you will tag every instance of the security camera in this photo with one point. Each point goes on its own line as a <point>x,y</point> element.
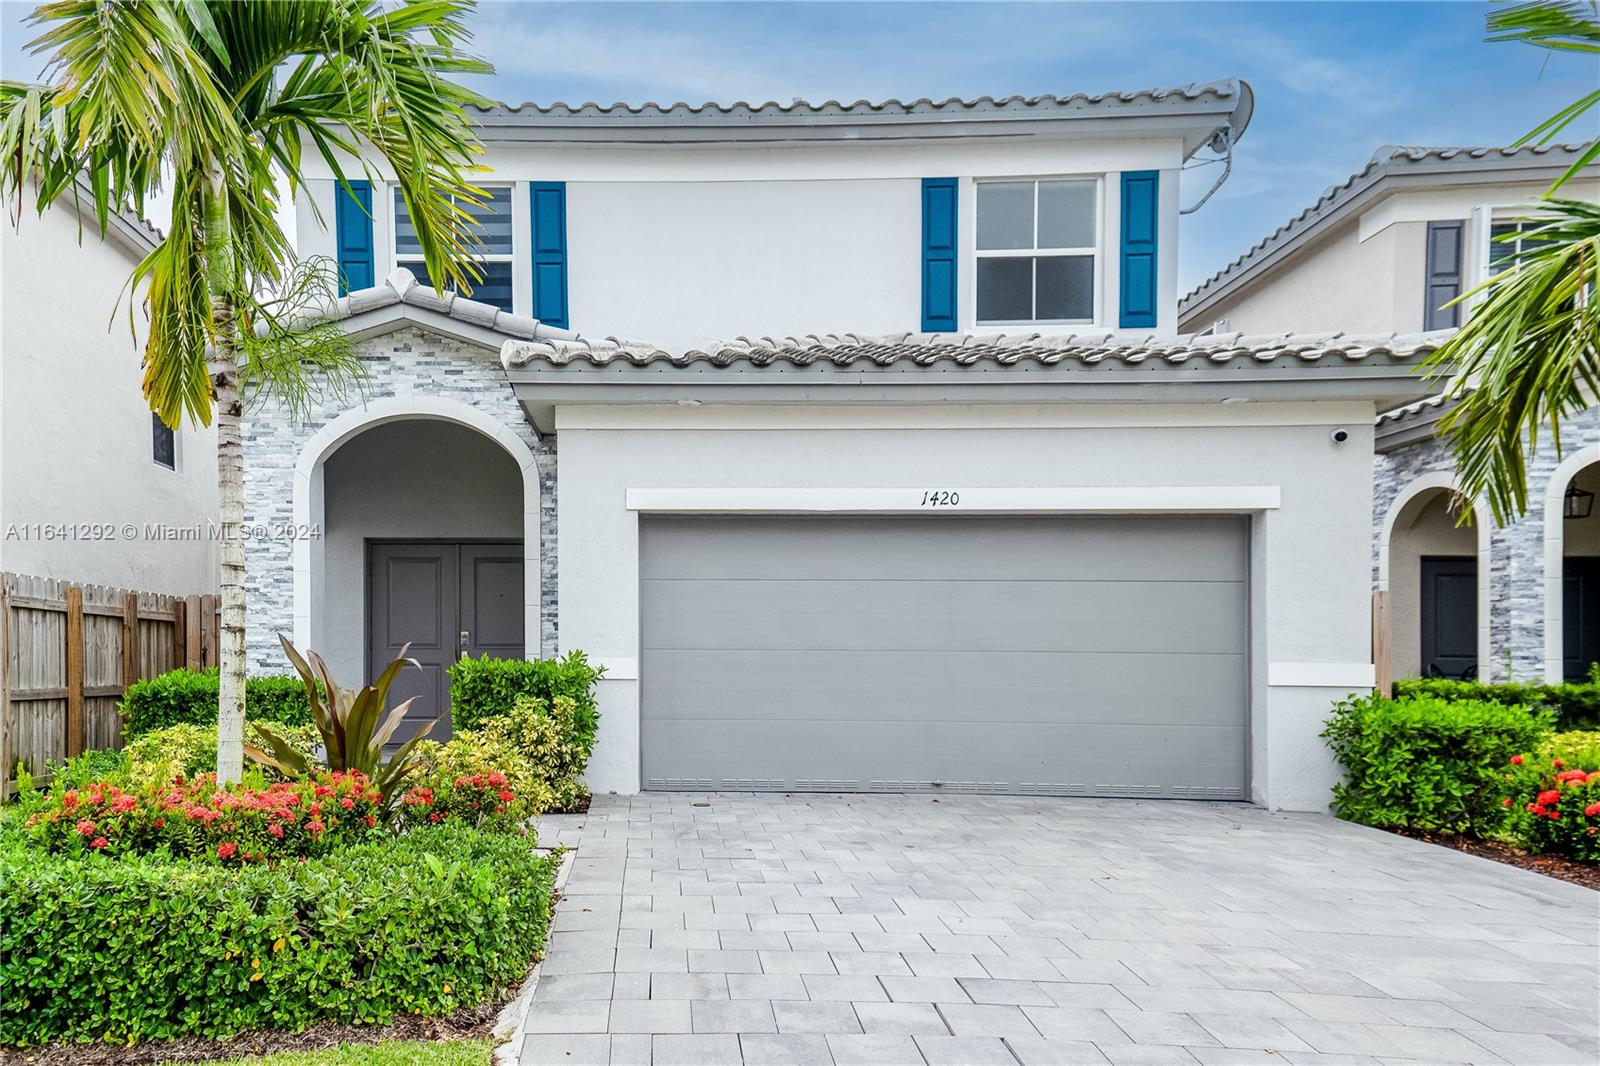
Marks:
<point>1339,436</point>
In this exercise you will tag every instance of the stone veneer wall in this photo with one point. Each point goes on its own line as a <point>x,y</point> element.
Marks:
<point>403,363</point>
<point>1516,615</point>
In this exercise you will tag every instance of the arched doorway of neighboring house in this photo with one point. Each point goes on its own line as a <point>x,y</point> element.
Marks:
<point>428,511</point>
<point>1572,575</point>
<point>1435,570</point>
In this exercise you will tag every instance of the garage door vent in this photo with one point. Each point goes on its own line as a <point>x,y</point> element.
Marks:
<point>699,784</point>
<point>753,784</point>
<point>837,784</point>
<point>1203,792</point>
<point>899,786</point>
<point>988,787</point>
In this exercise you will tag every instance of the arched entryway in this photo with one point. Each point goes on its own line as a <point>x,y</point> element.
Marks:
<point>1572,567</point>
<point>1435,570</point>
<point>426,514</point>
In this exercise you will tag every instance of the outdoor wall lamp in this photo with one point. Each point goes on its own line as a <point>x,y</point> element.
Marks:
<point>1577,503</point>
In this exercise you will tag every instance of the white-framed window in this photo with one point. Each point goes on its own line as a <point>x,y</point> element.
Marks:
<point>1508,237</point>
<point>1038,250</point>
<point>495,258</point>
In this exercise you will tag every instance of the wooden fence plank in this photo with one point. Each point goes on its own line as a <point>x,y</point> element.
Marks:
<point>208,632</point>
<point>130,638</point>
<point>193,620</point>
<point>74,671</point>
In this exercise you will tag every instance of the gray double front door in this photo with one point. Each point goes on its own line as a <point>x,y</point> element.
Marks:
<point>447,599</point>
<point>1101,656</point>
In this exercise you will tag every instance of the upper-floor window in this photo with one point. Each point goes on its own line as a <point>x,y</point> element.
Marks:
<point>1507,240</point>
<point>163,443</point>
<point>1037,247</point>
<point>492,219</point>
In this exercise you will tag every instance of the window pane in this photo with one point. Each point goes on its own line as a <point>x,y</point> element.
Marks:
<point>495,288</point>
<point>1004,290</point>
<point>1066,287</point>
<point>163,450</point>
<point>405,235</point>
<point>1005,214</point>
<point>1066,214</point>
<point>494,220</point>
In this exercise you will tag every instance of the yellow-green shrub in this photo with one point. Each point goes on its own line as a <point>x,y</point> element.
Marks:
<point>549,737</point>
<point>471,754</point>
<point>156,757</point>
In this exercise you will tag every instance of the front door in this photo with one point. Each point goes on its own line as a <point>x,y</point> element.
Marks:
<point>1449,616</point>
<point>448,600</point>
<point>1580,615</point>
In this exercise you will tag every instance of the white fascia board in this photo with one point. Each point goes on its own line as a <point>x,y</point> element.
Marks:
<point>957,499</point>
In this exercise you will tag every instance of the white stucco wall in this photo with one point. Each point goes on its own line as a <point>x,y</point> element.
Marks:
<point>415,480</point>
<point>1310,624</point>
<point>75,431</point>
<point>681,246</point>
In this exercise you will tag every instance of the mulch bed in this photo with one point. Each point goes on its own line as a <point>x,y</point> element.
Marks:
<point>467,1023</point>
<point>1586,874</point>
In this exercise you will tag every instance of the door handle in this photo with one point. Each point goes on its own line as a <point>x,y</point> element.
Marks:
<point>466,640</point>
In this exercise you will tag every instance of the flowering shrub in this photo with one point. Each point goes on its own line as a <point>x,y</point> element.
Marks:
<point>150,947</point>
<point>197,819</point>
<point>464,779</point>
<point>1554,801</point>
<point>1426,763</point>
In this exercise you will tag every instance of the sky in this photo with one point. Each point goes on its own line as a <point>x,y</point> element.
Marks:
<point>1333,81</point>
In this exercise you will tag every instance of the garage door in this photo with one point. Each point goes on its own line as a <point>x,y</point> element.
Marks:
<point>1098,656</point>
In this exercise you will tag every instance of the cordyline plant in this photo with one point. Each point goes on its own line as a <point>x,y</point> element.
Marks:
<point>1529,355</point>
<point>215,102</point>
<point>354,725</point>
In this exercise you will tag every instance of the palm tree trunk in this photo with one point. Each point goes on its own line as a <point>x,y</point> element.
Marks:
<point>220,284</point>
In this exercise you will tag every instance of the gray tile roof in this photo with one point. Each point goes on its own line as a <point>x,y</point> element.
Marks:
<point>998,349</point>
<point>1391,161</point>
<point>1203,106</point>
<point>742,110</point>
<point>1432,405</point>
<point>401,289</point>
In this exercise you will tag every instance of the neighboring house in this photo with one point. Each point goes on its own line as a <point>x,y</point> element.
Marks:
<point>1007,534</point>
<point>1387,251</point>
<point>93,489</point>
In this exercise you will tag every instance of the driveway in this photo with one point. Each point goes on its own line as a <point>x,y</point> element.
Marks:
<point>964,930</point>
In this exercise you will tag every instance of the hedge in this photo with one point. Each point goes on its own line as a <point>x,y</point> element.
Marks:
<point>187,697</point>
<point>103,949</point>
<point>485,688</point>
<point>1425,763</point>
<point>1575,706</point>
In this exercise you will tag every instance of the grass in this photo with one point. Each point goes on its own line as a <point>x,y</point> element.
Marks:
<point>396,1053</point>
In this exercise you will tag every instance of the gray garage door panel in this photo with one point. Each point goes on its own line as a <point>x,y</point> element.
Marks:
<point>1081,656</point>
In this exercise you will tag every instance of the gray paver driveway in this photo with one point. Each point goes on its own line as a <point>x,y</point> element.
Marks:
<point>897,930</point>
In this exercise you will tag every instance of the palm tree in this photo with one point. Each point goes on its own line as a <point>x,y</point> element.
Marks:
<point>1529,355</point>
<point>217,102</point>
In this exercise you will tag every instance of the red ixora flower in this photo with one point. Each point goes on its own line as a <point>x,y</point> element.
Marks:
<point>227,849</point>
<point>506,795</point>
<point>86,827</point>
<point>1592,810</point>
<point>1557,763</point>
<point>1548,797</point>
<point>275,829</point>
<point>347,803</point>
<point>1506,802</point>
<point>1516,760</point>
<point>98,842</point>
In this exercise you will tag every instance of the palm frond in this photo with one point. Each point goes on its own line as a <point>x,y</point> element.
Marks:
<point>1559,26</point>
<point>1527,358</point>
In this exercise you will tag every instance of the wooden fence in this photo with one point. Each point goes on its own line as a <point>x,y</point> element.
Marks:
<point>70,651</point>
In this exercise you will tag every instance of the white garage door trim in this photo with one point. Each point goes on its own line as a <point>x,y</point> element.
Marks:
<point>1182,499</point>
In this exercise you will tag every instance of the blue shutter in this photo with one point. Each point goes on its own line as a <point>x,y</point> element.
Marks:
<point>352,224</point>
<point>550,252</point>
<point>1141,221</point>
<point>938,255</point>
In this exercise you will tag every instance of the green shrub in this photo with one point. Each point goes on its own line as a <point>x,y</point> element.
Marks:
<point>155,758</point>
<point>135,949</point>
<point>1575,706</point>
<point>1427,763</point>
<point>1554,796</point>
<point>102,764</point>
<point>484,689</point>
<point>180,697</point>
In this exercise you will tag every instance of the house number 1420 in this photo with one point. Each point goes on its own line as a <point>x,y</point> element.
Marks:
<point>940,498</point>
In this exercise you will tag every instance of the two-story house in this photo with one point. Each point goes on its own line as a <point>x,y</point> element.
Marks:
<point>1390,250</point>
<point>899,479</point>
<point>93,488</point>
